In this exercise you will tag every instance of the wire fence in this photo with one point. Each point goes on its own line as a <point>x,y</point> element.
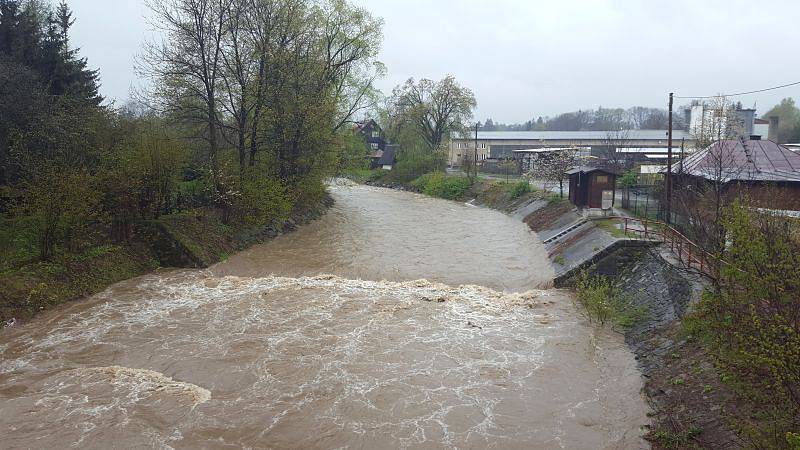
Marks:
<point>643,201</point>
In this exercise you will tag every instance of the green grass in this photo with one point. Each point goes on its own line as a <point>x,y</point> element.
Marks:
<point>611,226</point>
<point>554,198</point>
<point>40,285</point>
<point>668,439</point>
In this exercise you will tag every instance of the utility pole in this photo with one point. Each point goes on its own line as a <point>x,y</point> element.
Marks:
<point>668,179</point>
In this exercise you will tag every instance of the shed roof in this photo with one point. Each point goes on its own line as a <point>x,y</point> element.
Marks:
<point>742,160</point>
<point>587,169</point>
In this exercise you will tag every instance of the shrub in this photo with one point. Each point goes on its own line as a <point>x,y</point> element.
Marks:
<point>412,164</point>
<point>438,184</point>
<point>262,200</point>
<point>60,202</point>
<point>750,322</point>
<point>603,301</point>
<point>520,188</point>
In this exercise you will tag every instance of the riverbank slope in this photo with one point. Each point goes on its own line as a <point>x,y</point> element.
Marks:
<point>178,240</point>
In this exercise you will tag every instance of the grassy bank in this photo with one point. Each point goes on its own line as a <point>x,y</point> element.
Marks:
<point>193,240</point>
<point>495,194</point>
<point>40,285</point>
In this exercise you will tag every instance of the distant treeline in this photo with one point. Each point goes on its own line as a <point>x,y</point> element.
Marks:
<point>601,119</point>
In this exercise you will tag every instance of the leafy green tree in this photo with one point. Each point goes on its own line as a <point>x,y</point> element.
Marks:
<point>752,322</point>
<point>262,200</point>
<point>788,119</point>
<point>434,110</point>
<point>354,153</point>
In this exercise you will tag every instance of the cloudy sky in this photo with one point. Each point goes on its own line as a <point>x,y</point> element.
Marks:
<point>529,58</point>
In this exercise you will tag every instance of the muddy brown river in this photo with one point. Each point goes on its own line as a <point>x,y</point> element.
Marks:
<point>396,321</point>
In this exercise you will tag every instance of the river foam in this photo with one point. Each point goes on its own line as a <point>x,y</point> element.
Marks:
<point>142,382</point>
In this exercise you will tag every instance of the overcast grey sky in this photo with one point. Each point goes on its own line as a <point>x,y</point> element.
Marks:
<point>529,58</point>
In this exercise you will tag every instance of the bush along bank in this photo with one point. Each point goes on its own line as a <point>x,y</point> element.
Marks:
<point>180,240</point>
<point>495,194</point>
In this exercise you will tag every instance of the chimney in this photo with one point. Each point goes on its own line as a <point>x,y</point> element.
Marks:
<point>772,135</point>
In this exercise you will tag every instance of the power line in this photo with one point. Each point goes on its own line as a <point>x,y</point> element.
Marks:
<point>743,93</point>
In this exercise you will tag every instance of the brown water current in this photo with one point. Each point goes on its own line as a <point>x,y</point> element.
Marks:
<point>396,321</point>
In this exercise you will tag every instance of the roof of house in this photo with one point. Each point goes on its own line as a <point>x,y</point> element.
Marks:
<point>656,135</point>
<point>587,169</point>
<point>742,160</point>
<point>363,124</point>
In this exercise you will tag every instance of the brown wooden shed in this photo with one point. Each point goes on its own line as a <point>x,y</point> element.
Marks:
<point>592,187</point>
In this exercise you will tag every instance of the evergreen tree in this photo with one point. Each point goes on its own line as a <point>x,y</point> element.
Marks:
<point>38,37</point>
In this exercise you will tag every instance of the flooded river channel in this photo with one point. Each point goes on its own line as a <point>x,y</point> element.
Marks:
<point>395,321</point>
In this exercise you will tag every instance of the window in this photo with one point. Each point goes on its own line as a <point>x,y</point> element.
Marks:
<point>374,145</point>
<point>376,134</point>
<point>602,179</point>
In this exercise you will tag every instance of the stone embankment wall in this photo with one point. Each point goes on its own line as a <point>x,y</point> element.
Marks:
<point>665,291</point>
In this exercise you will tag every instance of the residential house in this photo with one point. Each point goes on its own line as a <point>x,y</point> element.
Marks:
<point>372,134</point>
<point>764,173</point>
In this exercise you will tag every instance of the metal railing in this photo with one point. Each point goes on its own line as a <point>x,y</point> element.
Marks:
<point>688,253</point>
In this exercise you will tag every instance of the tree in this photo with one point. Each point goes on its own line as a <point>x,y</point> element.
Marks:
<point>701,201</point>
<point>434,109</point>
<point>643,118</point>
<point>238,75</point>
<point>613,141</point>
<point>60,203</point>
<point>551,167</point>
<point>186,67</point>
<point>36,37</point>
<point>605,119</point>
<point>22,100</point>
<point>751,323</point>
<point>508,165</point>
<point>788,119</point>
